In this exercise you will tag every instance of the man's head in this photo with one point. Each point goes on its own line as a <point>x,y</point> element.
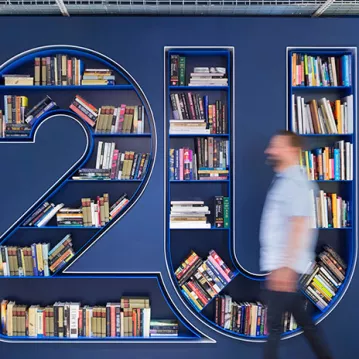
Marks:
<point>283,150</point>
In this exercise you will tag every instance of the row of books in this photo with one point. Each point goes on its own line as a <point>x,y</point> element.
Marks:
<point>200,76</point>
<point>60,69</point>
<point>192,106</point>
<point>201,280</point>
<point>92,213</point>
<point>110,119</point>
<point>323,116</point>
<point>111,164</point>
<point>332,211</point>
<point>325,277</point>
<point>131,317</point>
<point>247,318</point>
<point>193,214</point>
<point>36,260</point>
<point>17,119</point>
<point>208,162</point>
<point>208,76</point>
<point>329,163</point>
<point>323,71</point>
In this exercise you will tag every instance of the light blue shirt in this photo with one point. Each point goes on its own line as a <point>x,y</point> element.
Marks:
<point>290,195</point>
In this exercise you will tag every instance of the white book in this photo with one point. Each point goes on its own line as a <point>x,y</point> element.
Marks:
<point>98,157</point>
<point>300,119</point>
<point>49,215</point>
<point>189,224</point>
<point>74,319</point>
<point>182,209</point>
<point>45,257</point>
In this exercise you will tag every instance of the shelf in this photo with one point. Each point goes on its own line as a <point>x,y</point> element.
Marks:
<point>331,181</point>
<point>199,88</point>
<point>199,53</point>
<point>107,181</point>
<point>61,227</point>
<point>112,339</point>
<point>121,135</point>
<point>64,88</point>
<point>199,229</point>
<point>341,228</point>
<point>321,87</point>
<point>324,134</point>
<point>199,181</point>
<point>198,135</point>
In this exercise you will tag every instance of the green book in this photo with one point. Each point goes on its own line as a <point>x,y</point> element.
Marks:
<point>182,71</point>
<point>226,211</point>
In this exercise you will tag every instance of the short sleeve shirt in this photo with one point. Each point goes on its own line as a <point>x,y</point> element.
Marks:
<point>290,195</point>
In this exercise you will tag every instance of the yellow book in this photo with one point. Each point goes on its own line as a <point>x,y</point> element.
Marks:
<point>192,298</point>
<point>335,210</point>
<point>338,116</point>
<point>322,289</point>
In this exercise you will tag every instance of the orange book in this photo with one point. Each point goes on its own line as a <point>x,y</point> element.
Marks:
<point>338,115</point>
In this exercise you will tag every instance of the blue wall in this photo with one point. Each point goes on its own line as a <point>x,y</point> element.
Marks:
<point>137,44</point>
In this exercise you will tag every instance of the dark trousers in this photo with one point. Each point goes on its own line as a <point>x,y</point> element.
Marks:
<point>281,302</point>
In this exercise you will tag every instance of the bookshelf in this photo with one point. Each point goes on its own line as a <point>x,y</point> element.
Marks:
<point>180,241</point>
<point>70,191</point>
<point>244,286</point>
<point>343,239</point>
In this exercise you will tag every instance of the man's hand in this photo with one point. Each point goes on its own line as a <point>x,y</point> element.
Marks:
<point>283,280</point>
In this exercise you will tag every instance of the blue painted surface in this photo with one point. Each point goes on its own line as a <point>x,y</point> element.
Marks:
<point>259,111</point>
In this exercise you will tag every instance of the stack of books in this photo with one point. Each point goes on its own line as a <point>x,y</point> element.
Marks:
<point>209,161</point>
<point>11,129</point>
<point>221,213</point>
<point>17,120</point>
<point>38,110</point>
<point>92,213</point>
<point>200,281</point>
<point>208,76</point>
<point>98,77</point>
<point>247,318</point>
<point>189,214</point>
<point>84,110</point>
<point>164,328</point>
<point>129,318</point>
<point>61,254</point>
<point>178,70</point>
<point>123,119</point>
<point>192,113</point>
<point>58,70</point>
<point>43,215</point>
<point>325,277</point>
<point>332,211</point>
<point>323,116</point>
<point>329,163</point>
<point>323,71</point>
<point>112,164</point>
<point>36,260</point>
<point>18,80</point>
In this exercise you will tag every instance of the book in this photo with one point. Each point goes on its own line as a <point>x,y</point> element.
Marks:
<point>325,71</point>
<point>324,278</point>
<point>192,113</point>
<point>35,260</point>
<point>201,280</point>
<point>330,162</point>
<point>322,116</point>
<point>131,317</point>
<point>332,211</point>
<point>209,160</point>
<point>112,164</point>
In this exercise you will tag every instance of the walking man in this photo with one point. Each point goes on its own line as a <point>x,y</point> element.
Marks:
<point>288,242</point>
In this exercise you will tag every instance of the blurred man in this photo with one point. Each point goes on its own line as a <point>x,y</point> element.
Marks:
<point>288,242</point>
